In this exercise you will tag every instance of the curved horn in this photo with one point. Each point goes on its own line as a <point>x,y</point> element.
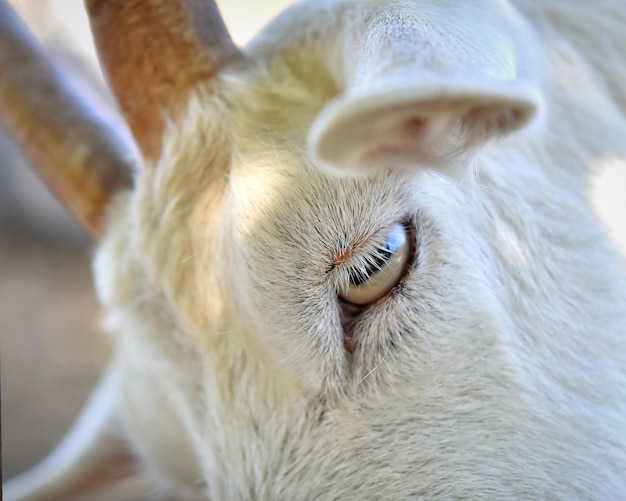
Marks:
<point>154,52</point>
<point>82,158</point>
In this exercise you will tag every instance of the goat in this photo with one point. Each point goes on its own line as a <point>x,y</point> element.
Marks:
<point>357,259</point>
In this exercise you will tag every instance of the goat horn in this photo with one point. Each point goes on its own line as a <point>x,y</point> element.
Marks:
<point>154,52</point>
<point>82,159</point>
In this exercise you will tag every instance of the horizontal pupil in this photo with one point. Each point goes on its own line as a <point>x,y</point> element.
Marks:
<point>359,277</point>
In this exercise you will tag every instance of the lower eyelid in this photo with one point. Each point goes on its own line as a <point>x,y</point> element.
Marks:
<point>349,314</point>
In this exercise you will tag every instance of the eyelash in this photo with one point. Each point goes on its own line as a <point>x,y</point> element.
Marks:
<point>373,264</point>
<point>362,267</point>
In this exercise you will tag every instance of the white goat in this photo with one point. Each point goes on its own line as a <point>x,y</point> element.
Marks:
<point>259,352</point>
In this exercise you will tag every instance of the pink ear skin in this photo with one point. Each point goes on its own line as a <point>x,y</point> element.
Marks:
<point>417,127</point>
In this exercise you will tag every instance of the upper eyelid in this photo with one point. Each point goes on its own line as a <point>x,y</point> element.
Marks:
<point>371,244</point>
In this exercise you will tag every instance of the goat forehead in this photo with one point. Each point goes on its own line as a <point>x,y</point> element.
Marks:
<point>340,31</point>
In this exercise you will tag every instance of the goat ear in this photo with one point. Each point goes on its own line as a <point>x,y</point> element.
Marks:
<point>424,84</point>
<point>417,125</point>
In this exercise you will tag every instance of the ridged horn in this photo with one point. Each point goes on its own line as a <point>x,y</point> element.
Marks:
<point>82,158</point>
<point>154,52</point>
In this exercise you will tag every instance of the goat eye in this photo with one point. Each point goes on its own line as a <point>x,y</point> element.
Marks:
<point>381,271</point>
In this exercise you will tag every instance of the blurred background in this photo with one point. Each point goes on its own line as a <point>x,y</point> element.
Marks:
<point>51,347</point>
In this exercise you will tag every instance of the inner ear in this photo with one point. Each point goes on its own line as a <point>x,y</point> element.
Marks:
<point>425,128</point>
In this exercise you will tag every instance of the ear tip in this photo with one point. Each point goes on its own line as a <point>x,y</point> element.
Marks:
<point>331,160</point>
<point>335,142</point>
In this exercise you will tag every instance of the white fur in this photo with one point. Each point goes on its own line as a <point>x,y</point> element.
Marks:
<point>497,370</point>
